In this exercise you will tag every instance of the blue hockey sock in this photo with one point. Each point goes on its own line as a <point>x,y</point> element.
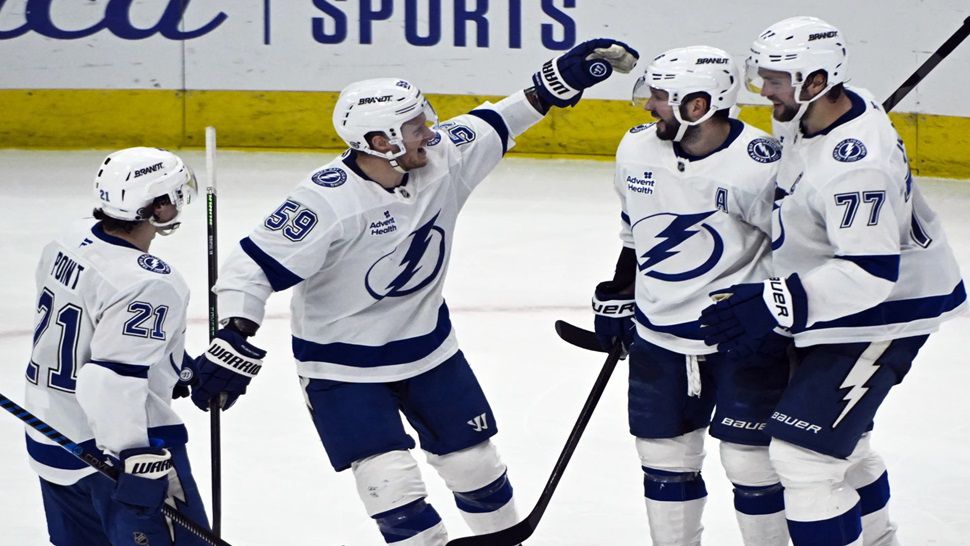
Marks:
<point>662,485</point>
<point>875,496</point>
<point>406,521</point>
<point>756,501</point>
<point>486,499</point>
<point>841,530</point>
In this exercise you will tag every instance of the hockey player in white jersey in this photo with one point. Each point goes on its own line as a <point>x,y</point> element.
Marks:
<point>108,352</point>
<point>696,190</point>
<point>863,275</point>
<point>365,241</point>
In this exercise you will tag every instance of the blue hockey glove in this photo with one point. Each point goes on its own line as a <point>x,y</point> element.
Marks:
<point>187,378</point>
<point>143,482</point>
<point>561,81</point>
<point>614,316</point>
<point>738,323</point>
<point>227,366</point>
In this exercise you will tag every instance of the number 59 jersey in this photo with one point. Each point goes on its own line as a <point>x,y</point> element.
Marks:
<point>849,219</point>
<point>108,348</point>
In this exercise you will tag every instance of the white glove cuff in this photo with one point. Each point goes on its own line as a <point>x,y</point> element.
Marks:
<point>152,466</point>
<point>779,301</point>
<point>222,353</point>
<point>613,307</point>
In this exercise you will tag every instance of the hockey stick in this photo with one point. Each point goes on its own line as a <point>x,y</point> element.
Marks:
<point>524,529</point>
<point>212,248</point>
<point>95,461</point>
<point>948,46</point>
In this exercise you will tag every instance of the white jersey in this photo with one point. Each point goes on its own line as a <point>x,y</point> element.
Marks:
<point>697,224</point>
<point>369,263</point>
<point>108,347</point>
<point>871,254</point>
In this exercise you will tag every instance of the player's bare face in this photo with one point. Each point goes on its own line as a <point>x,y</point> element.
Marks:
<point>777,88</point>
<point>416,135</point>
<point>657,105</point>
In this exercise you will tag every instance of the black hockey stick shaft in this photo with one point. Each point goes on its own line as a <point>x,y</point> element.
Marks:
<point>524,529</point>
<point>941,53</point>
<point>212,257</point>
<point>95,461</point>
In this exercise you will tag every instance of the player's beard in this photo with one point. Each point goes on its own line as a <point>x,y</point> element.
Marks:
<point>668,129</point>
<point>785,112</point>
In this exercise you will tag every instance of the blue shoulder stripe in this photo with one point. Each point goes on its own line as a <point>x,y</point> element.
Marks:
<point>625,217</point>
<point>494,119</point>
<point>127,370</point>
<point>401,351</point>
<point>280,278</point>
<point>884,266</point>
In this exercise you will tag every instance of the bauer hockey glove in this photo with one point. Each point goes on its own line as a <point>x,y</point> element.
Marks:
<point>613,316</point>
<point>561,81</point>
<point>227,366</point>
<point>738,323</point>
<point>187,378</point>
<point>143,482</point>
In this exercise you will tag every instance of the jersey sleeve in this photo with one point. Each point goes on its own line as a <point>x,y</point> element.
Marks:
<point>290,245</point>
<point>861,213</point>
<point>481,137</point>
<point>756,205</point>
<point>138,330</point>
<point>619,186</point>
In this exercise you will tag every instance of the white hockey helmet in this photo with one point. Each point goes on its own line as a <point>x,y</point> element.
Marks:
<point>686,70</point>
<point>379,105</point>
<point>130,180</point>
<point>798,46</point>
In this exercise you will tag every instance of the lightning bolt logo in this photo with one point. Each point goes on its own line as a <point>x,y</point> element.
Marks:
<point>411,265</point>
<point>859,375</point>
<point>673,235</point>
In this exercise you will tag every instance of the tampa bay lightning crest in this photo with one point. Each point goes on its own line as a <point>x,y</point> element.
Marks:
<point>413,265</point>
<point>849,150</point>
<point>153,264</point>
<point>764,150</point>
<point>684,246</point>
<point>329,178</point>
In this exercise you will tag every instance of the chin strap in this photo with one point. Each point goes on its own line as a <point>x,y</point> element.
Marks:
<point>682,130</point>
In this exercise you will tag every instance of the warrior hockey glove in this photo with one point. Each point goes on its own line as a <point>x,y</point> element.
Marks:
<point>227,366</point>
<point>561,81</point>
<point>187,378</point>
<point>738,323</point>
<point>143,483</point>
<point>614,316</point>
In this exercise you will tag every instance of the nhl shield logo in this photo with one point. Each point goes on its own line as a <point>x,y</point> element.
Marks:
<point>849,150</point>
<point>153,264</point>
<point>329,178</point>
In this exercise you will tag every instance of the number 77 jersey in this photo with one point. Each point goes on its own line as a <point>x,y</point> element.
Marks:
<point>108,339</point>
<point>849,219</point>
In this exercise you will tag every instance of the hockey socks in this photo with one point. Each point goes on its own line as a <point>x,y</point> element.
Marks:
<point>761,514</point>
<point>675,503</point>
<point>416,523</point>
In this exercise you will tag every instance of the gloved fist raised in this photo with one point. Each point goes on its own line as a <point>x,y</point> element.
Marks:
<point>561,81</point>
<point>614,316</point>
<point>226,367</point>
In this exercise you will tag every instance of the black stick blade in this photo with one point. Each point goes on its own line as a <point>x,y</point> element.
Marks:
<point>574,335</point>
